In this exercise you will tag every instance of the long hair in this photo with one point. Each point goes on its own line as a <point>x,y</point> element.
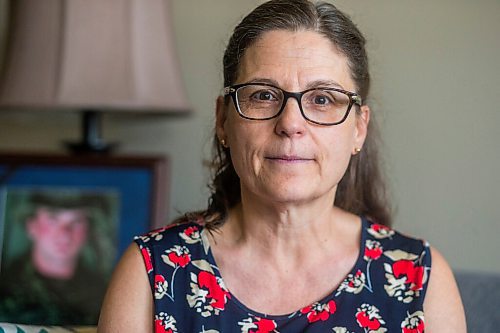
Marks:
<point>362,190</point>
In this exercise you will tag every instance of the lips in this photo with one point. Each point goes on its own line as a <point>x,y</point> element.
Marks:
<point>289,158</point>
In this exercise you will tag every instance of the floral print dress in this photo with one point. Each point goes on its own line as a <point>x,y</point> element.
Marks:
<point>384,291</point>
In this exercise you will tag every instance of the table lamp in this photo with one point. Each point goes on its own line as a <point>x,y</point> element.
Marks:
<point>92,56</point>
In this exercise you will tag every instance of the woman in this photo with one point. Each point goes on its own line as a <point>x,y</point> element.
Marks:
<point>286,244</point>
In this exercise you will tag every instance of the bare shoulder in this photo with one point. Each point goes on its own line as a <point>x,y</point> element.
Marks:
<point>128,304</point>
<point>443,306</point>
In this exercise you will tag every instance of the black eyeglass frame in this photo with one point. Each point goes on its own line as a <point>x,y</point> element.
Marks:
<point>353,99</point>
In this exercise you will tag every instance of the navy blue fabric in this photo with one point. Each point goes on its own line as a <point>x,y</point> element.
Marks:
<point>384,291</point>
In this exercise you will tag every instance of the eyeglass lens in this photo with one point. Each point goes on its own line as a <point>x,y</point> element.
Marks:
<point>318,105</point>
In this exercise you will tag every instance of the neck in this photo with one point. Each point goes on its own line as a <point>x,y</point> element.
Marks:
<point>283,229</point>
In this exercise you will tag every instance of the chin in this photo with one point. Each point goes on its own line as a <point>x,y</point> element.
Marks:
<point>292,194</point>
<point>290,188</point>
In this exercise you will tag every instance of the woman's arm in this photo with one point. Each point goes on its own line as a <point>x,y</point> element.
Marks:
<point>128,304</point>
<point>442,305</point>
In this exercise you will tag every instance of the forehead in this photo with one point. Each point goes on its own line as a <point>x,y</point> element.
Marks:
<point>294,59</point>
<point>71,213</point>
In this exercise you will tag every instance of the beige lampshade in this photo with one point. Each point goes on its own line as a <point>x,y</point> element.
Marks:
<point>92,54</point>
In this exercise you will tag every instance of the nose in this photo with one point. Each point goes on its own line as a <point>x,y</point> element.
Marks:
<point>66,227</point>
<point>290,122</point>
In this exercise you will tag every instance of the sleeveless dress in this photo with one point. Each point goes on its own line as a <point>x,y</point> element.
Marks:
<point>384,292</point>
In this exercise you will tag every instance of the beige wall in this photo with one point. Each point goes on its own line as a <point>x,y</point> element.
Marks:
<point>436,93</point>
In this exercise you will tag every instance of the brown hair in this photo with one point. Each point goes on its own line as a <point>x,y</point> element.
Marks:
<point>361,190</point>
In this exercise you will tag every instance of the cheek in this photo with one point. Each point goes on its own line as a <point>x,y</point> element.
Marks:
<point>335,159</point>
<point>245,143</point>
<point>244,158</point>
<point>44,228</point>
<point>80,233</point>
<point>337,151</point>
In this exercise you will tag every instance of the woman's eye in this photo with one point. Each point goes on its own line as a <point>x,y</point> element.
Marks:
<point>264,96</point>
<point>321,100</point>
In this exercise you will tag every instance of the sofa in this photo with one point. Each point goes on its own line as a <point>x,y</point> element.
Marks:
<point>481,298</point>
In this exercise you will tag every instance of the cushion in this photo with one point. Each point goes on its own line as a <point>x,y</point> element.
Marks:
<point>19,328</point>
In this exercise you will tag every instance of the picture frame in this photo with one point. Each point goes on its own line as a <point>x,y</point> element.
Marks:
<point>79,209</point>
<point>141,182</point>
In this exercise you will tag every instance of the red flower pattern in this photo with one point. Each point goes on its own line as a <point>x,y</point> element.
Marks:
<point>378,227</point>
<point>161,286</point>
<point>365,321</point>
<point>265,326</point>
<point>147,259</point>
<point>164,323</point>
<point>368,317</point>
<point>318,311</point>
<point>177,256</point>
<point>257,325</point>
<point>414,274</point>
<point>181,260</point>
<point>217,295</point>
<point>353,283</point>
<point>405,277</point>
<point>159,328</point>
<point>414,323</point>
<point>189,231</point>
<point>191,235</point>
<point>373,250</point>
<point>357,277</point>
<point>156,234</point>
<point>380,231</point>
<point>209,295</point>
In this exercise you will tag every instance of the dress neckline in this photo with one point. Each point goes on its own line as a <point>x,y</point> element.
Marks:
<point>331,296</point>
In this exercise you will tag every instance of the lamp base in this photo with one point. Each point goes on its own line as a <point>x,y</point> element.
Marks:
<point>91,142</point>
<point>86,148</point>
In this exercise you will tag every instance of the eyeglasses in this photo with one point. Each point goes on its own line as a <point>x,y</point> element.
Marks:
<point>322,106</point>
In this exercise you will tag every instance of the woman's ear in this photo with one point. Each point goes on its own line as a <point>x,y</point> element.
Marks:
<point>362,121</point>
<point>220,118</point>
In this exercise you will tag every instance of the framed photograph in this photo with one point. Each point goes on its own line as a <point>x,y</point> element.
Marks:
<point>64,222</point>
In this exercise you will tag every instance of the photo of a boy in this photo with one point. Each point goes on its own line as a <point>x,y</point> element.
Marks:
<point>50,281</point>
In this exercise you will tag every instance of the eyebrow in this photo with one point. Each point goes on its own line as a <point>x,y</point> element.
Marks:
<point>324,84</point>
<point>264,80</point>
<point>313,84</point>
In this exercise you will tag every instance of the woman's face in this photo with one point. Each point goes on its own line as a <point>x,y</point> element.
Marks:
<point>288,159</point>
